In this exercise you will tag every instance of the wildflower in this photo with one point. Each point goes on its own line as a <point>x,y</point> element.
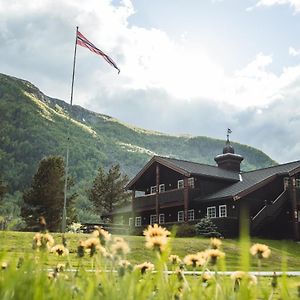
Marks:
<point>260,251</point>
<point>123,266</point>
<point>156,237</point>
<point>174,259</point>
<point>194,260</point>
<point>92,245</point>
<point>180,275</point>
<point>52,275</point>
<point>42,241</point>
<point>80,249</point>
<point>214,254</point>
<point>60,268</point>
<point>240,276</point>
<point>145,267</point>
<point>4,265</point>
<point>102,234</point>
<point>60,250</point>
<point>118,239</point>
<point>154,231</point>
<point>215,243</point>
<point>157,243</point>
<point>120,248</point>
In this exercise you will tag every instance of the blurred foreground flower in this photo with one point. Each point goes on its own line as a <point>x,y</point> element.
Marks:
<point>120,248</point>
<point>156,237</point>
<point>174,259</point>
<point>215,243</point>
<point>240,276</point>
<point>103,235</point>
<point>260,251</point>
<point>144,267</point>
<point>214,254</point>
<point>194,260</point>
<point>60,250</point>
<point>42,241</point>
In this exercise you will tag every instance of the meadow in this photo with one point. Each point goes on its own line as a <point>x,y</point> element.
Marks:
<point>127,268</point>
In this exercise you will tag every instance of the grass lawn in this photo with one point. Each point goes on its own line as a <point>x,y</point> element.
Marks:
<point>284,252</point>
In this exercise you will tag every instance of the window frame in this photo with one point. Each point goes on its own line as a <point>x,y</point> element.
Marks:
<point>160,189</point>
<point>179,183</point>
<point>136,222</point>
<point>153,189</point>
<point>151,219</point>
<point>159,219</point>
<point>210,208</point>
<point>220,208</point>
<point>193,214</point>
<point>297,184</point>
<point>181,212</point>
<point>191,182</point>
<point>130,221</point>
<point>286,182</point>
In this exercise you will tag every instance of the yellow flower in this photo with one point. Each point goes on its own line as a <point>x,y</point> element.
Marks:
<point>120,248</point>
<point>124,263</point>
<point>194,260</point>
<point>157,243</point>
<point>60,267</point>
<point>92,245</point>
<point>42,241</point>
<point>174,259</point>
<point>214,254</point>
<point>238,276</point>
<point>4,265</point>
<point>103,235</point>
<point>215,243</point>
<point>60,250</point>
<point>144,267</point>
<point>260,250</point>
<point>206,276</point>
<point>155,231</point>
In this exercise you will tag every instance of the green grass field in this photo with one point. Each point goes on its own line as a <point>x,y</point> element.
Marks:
<point>18,244</point>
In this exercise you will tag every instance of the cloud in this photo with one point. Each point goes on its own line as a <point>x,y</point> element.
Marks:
<point>295,4</point>
<point>294,52</point>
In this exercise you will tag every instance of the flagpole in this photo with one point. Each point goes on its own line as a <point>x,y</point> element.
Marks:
<point>64,216</point>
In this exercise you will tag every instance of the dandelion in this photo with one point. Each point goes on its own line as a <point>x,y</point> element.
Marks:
<point>144,267</point>
<point>194,260</point>
<point>42,241</point>
<point>60,250</point>
<point>174,259</point>
<point>120,248</point>
<point>92,245</point>
<point>155,231</point>
<point>214,254</point>
<point>240,276</point>
<point>260,251</point>
<point>215,243</point>
<point>103,235</point>
<point>157,243</point>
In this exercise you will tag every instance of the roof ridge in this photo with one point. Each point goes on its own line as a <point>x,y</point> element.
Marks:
<point>270,167</point>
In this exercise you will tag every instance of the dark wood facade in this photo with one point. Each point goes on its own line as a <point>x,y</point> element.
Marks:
<point>170,191</point>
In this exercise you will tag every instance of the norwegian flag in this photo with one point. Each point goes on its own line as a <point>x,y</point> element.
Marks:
<point>84,42</point>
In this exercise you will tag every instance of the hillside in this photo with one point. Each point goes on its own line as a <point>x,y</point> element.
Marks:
<point>33,125</point>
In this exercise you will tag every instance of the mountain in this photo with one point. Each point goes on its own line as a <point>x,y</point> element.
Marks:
<point>33,125</point>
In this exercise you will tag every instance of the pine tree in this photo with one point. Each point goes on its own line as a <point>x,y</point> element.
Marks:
<point>108,191</point>
<point>207,228</point>
<point>46,196</point>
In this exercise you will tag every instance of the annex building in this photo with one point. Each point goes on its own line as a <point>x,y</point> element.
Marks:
<point>177,191</point>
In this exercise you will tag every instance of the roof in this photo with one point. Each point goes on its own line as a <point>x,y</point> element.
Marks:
<point>254,179</point>
<point>187,168</point>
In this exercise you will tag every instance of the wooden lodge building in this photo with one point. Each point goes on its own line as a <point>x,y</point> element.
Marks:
<point>177,191</point>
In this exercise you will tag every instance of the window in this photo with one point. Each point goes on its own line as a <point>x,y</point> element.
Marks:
<point>161,218</point>
<point>191,182</point>
<point>180,216</point>
<point>153,189</point>
<point>138,221</point>
<point>286,182</point>
<point>180,184</point>
<point>162,188</point>
<point>297,183</point>
<point>153,219</point>
<point>191,215</point>
<point>222,211</point>
<point>211,212</point>
<point>130,221</point>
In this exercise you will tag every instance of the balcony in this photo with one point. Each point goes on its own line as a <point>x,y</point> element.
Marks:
<point>167,198</point>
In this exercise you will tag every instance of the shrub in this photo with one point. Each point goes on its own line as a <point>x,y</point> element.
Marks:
<point>185,230</point>
<point>207,228</point>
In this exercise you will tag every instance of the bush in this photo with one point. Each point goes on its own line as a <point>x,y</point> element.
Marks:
<point>207,228</point>
<point>185,230</point>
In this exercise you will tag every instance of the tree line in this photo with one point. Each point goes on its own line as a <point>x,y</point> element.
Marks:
<point>45,196</point>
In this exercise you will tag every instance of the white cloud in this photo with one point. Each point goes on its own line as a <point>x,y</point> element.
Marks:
<point>295,4</point>
<point>294,52</point>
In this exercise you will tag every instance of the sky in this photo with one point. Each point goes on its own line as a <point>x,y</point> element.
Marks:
<point>188,67</point>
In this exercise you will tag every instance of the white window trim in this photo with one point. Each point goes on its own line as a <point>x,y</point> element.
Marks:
<point>220,209</point>
<point>161,218</point>
<point>162,188</point>
<point>211,207</point>
<point>179,183</point>
<point>181,212</point>
<point>153,189</point>
<point>193,218</point>
<point>297,183</point>
<point>151,219</point>
<point>138,220</point>
<point>191,182</point>
<point>286,182</point>
<point>130,221</point>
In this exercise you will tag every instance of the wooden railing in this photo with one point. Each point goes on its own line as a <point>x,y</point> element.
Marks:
<point>269,211</point>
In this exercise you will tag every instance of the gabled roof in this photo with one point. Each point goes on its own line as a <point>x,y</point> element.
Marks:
<point>187,168</point>
<point>252,180</point>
